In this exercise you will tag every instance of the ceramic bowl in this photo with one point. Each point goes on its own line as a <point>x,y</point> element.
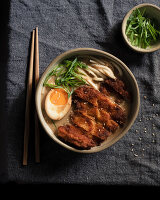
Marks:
<point>129,78</point>
<point>152,12</point>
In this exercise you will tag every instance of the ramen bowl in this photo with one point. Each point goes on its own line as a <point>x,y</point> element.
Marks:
<point>127,76</point>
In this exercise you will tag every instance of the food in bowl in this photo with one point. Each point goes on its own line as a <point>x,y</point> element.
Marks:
<point>85,100</point>
<point>57,103</point>
<point>142,31</point>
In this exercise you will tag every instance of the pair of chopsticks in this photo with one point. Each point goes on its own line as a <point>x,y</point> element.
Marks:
<point>33,64</point>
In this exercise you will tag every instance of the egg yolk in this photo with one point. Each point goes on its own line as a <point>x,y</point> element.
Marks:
<point>59,97</point>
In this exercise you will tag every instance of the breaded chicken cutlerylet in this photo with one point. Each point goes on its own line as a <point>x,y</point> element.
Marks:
<point>101,101</point>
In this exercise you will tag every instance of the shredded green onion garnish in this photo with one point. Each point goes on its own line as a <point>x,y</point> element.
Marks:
<point>141,30</point>
<point>66,76</point>
<point>54,124</point>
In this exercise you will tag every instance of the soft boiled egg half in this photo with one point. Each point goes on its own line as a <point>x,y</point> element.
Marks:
<point>57,103</point>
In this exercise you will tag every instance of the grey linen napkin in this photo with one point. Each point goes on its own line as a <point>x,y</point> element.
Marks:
<point>64,25</point>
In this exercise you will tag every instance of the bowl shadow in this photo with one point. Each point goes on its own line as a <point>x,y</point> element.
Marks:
<point>115,44</point>
<point>53,157</point>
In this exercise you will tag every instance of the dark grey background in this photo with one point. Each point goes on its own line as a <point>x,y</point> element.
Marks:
<point>64,25</point>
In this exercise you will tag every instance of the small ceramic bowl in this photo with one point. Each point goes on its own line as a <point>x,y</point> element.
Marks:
<point>154,13</point>
<point>131,83</point>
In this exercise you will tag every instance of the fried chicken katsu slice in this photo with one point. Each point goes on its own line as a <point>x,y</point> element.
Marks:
<point>88,94</point>
<point>88,125</point>
<point>100,115</point>
<point>115,111</point>
<point>118,87</point>
<point>75,136</point>
<point>110,94</point>
<point>100,100</point>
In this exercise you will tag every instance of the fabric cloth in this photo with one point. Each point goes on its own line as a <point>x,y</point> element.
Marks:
<point>64,25</point>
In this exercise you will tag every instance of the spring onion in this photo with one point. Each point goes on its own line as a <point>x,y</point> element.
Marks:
<point>141,30</point>
<point>67,76</point>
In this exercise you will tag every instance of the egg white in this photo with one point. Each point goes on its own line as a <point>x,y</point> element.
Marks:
<point>56,112</point>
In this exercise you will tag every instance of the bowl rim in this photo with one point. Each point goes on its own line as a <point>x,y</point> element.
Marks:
<point>40,85</point>
<point>137,49</point>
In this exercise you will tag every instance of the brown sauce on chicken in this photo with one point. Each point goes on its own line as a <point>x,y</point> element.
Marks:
<point>95,115</point>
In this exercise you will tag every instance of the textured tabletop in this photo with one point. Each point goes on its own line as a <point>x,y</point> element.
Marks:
<point>64,25</point>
